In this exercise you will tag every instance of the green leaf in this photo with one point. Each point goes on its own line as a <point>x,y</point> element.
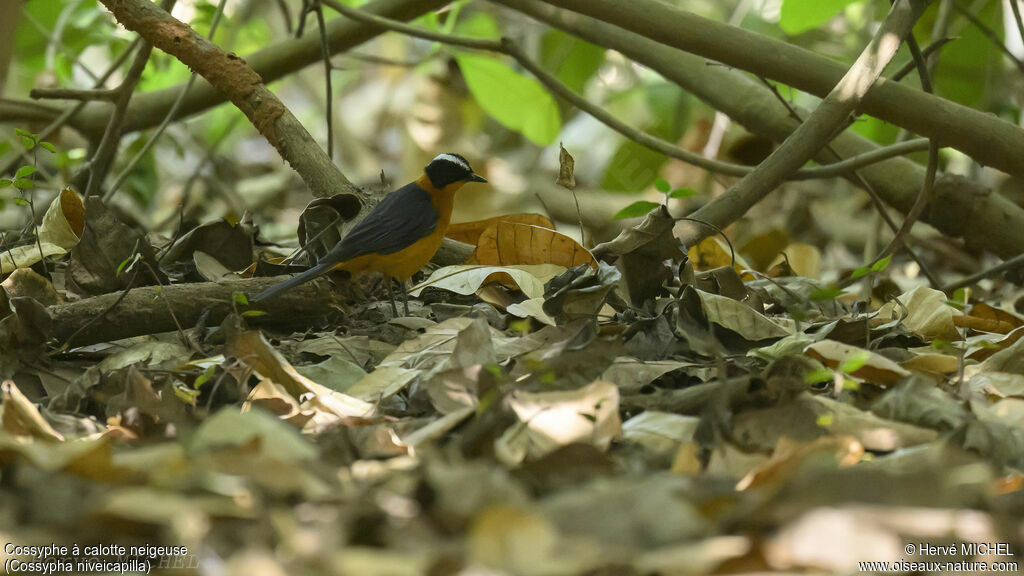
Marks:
<point>204,377</point>
<point>517,102</point>
<point>28,143</point>
<point>636,209</point>
<point>21,201</point>
<point>682,193</point>
<point>818,375</point>
<point>962,296</point>
<point>24,184</point>
<point>633,167</point>
<point>661,185</point>
<point>826,294</point>
<point>184,394</point>
<point>24,133</point>
<point>252,313</point>
<point>479,25</point>
<point>125,262</point>
<point>25,171</point>
<point>241,299</point>
<point>855,362</point>
<point>5,182</point>
<point>798,16</point>
<point>48,147</point>
<point>881,264</point>
<point>862,271</point>
<point>572,60</point>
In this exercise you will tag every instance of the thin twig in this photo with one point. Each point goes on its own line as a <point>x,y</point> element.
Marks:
<point>925,195</point>
<point>926,52</point>
<point>990,34</point>
<point>73,94</point>
<point>1016,18</point>
<point>126,171</point>
<point>70,113</point>
<point>319,9</point>
<point>876,199</point>
<point>170,310</point>
<point>1011,264</point>
<point>101,160</point>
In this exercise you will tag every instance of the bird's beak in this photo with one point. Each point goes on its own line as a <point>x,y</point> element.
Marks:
<point>477,178</point>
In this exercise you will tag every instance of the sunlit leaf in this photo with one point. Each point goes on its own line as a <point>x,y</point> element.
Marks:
<point>636,209</point>
<point>517,102</point>
<point>798,16</point>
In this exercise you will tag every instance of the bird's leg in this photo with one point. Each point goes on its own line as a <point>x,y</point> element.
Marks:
<point>405,297</point>
<point>391,293</point>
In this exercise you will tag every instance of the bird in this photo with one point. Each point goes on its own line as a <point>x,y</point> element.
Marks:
<point>400,235</point>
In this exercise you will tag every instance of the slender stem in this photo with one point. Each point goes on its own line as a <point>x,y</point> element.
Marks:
<point>318,7</point>
<point>126,171</point>
<point>990,34</point>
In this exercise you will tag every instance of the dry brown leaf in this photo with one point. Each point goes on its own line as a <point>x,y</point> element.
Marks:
<point>566,169</point>
<point>789,458</point>
<point>253,350</point>
<point>22,418</point>
<point>928,315</point>
<point>549,420</point>
<point>868,365</point>
<point>510,243</point>
<point>469,232</point>
<point>713,252</point>
<point>985,318</point>
<point>740,318</point>
<point>469,278</point>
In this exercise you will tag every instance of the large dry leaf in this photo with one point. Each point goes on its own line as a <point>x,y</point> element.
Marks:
<point>97,261</point>
<point>469,232</point>
<point>790,458</point>
<point>468,278</point>
<point>985,318</point>
<point>62,226</point>
<point>713,252</point>
<point>227,243</point>
<point>511,243</point>
<point>640,254</point>
<point>660,431</point>
<point>229,428</point>
<point>21,417</point>
<point>857,362</point>
<point>549,420</point>
<point>253,350</point>
<point>928,315</point>
<point>25,282</point>
<point>740,318</point>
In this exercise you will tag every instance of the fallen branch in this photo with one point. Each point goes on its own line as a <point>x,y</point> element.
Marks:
<point>148,309</point>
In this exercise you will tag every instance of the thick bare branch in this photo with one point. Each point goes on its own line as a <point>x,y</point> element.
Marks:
<point>984,137</point>
<point>961,208</point>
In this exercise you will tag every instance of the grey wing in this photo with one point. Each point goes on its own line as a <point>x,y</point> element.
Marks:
<point>400,219</point>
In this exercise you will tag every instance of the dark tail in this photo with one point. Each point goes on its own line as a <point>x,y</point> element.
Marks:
<point>294,281</point>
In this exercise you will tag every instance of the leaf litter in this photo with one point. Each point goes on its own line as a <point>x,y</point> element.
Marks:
<point>642,413</point>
